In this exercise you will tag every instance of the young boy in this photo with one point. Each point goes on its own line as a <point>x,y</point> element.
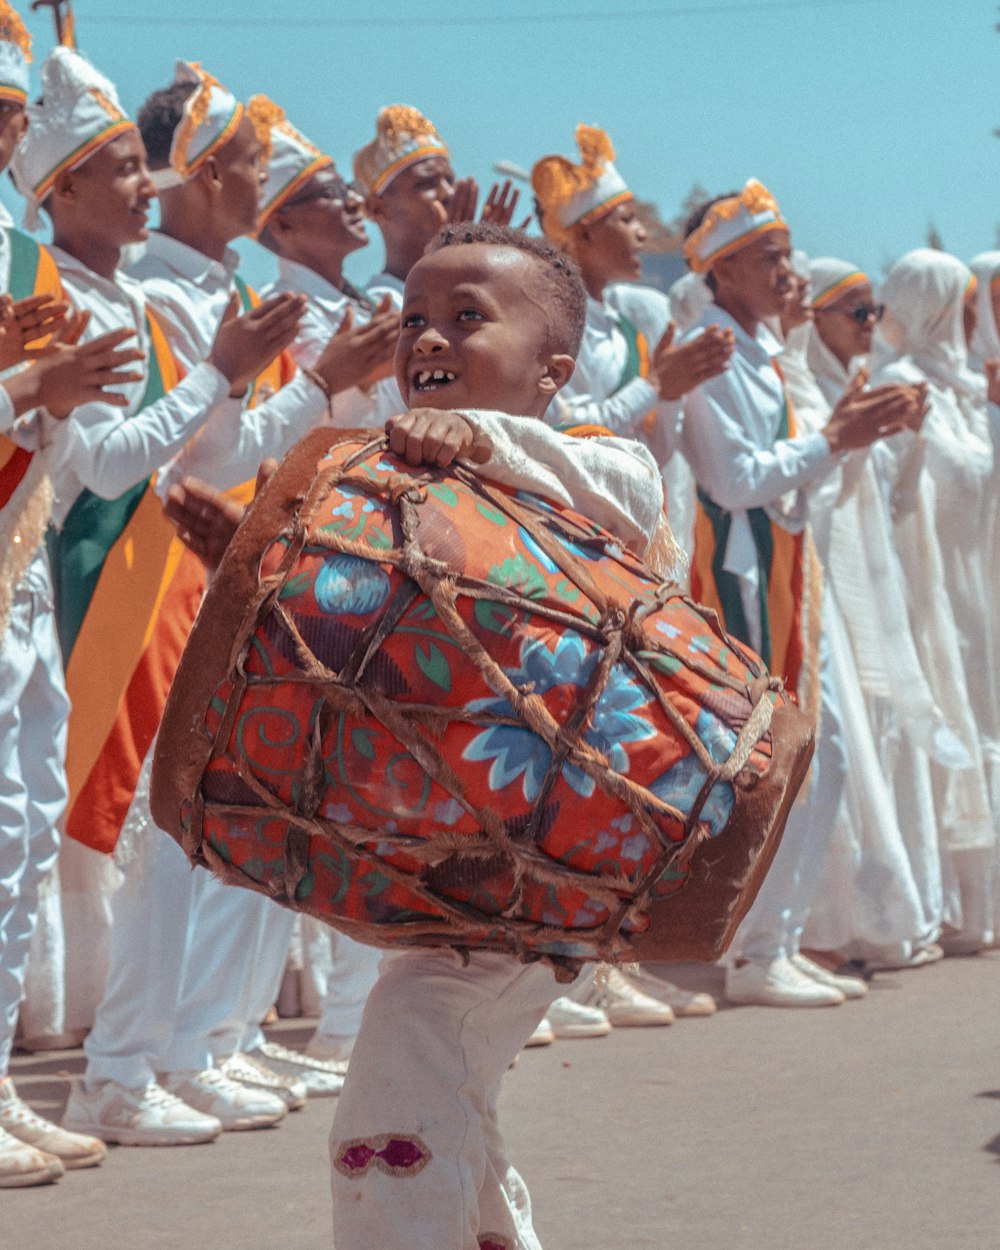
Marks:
<point>753,559</point>
<point>410,191</point>
<point>491,322</point>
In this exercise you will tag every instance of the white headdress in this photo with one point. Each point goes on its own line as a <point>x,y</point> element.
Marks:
<point>78,113</point>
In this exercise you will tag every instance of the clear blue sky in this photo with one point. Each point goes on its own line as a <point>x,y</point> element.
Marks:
<point>866,118</point>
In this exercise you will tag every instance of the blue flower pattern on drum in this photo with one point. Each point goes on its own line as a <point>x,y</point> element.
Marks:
<point>681,784</point>
<point>516,751</point>
<point>347,585</point>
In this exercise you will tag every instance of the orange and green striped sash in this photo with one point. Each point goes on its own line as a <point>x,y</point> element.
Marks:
<point>126,594</point>
<point>637,361</point>
<point>781,580</point>
<point>32,272</point>
<point>280,371</point>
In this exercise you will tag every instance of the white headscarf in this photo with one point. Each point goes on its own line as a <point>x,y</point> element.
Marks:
<point>986,340</point>
<point>923,294</point>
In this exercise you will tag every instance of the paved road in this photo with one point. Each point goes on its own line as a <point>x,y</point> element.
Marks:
<point>871,1126</point>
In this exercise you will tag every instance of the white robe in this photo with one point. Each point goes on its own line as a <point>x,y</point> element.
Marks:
<point>942,550</point>
<point>868,905</point>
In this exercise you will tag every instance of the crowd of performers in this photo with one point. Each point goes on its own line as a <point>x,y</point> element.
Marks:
<point>826,443</point>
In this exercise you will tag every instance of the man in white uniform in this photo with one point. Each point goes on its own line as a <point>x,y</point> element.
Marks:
<point>753,559</point>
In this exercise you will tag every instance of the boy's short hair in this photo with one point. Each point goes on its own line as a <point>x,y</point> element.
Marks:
<point>559,282</point>
<point>158,120</point>
<point>696,217</point>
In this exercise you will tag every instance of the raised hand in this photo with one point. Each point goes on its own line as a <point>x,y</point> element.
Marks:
<point>360,355</point>
<point>245,345</point>
<point>862,417</point>
<point>676,370</point>
<point>436,436</point>
<point>25,324</point>
<point>462,205</point>
<point>500,204</point>
<point>65,375</point>
<point>205,518</point>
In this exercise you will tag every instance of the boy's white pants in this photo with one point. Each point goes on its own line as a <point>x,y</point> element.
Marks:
<point>33,714</point>
<point>418,1162</point>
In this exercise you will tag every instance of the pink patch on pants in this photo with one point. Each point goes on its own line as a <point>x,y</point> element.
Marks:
<point>394,1154</point>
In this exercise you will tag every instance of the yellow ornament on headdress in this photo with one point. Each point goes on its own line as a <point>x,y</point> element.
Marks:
<point>291,158</point>
<point>403,136</point>
<point>15,55</point>
<point>568,195</point>
<point>732,223</point>
<point>211,117</point>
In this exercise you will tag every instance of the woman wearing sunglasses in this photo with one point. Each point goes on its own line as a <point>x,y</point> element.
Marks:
<point>844,319</point>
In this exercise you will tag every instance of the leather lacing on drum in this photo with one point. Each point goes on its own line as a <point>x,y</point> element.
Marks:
<point>453,858</point>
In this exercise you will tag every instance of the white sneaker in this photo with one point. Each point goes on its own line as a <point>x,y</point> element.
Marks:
<point>322,1077</point>
<point>850,987</point>
<point>932,953</point>
<point>778,984</point>
<point>254,1074</point>
<point>624,1004</point>
<point>235,1106</point>
<point>17,1118</point>
<point>686,1003</point>
<point>325,1046</point>
<point>137,1117</point>
<point>544,1035</point>
<point>22,1165</point>
<point>570,1019</point>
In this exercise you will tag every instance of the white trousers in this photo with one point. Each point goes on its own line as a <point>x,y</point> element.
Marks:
<point>773,926</point>
<point>262,981</point>
<point>418,1162</point>
<point>353,973</point>
<point>33,714</point>
<point>182,961</point>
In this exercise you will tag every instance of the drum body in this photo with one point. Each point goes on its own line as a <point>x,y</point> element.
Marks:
<point>431,711</point>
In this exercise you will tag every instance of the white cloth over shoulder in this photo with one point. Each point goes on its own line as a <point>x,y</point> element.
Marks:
<point>985,343</point>
<point>613,481</point>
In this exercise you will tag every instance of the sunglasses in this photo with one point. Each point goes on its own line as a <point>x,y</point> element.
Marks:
<point>862,314</point>
<point>334,192</point>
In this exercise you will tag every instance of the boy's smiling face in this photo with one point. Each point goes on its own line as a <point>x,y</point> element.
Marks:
<point>476,333</point>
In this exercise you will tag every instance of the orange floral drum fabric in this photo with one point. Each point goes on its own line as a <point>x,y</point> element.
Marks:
<point>426,710</point>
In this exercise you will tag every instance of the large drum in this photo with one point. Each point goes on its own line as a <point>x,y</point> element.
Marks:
<point>428,711</point>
